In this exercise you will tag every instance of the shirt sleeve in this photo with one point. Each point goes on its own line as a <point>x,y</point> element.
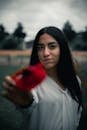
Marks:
<point>28,110</point>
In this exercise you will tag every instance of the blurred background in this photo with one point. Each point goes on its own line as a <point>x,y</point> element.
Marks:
<point>20,20</point>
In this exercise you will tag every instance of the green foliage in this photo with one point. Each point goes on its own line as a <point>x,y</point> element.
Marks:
<point>84,35</point>
<point>77,41</point>
<point>69,32</point>
<point>12,41</point>
<point>3,33</point>
<point>19,31</point>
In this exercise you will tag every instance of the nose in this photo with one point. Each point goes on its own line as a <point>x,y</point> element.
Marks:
<point>46,51</point>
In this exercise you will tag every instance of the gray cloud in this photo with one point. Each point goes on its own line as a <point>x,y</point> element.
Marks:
<point>80,4</point>
<point>4,3</point>
<point>37,13</point>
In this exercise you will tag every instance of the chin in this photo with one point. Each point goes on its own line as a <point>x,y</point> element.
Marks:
<point>48,66</point>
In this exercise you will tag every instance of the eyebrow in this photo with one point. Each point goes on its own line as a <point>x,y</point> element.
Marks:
<point>50,43</point>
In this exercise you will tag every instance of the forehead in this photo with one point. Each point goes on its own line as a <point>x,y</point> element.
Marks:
<point>46,38</point>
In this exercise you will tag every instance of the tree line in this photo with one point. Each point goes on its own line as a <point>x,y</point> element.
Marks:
<point>16,40</point>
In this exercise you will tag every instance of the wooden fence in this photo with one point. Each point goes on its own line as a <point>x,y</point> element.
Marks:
<point>23,56</point>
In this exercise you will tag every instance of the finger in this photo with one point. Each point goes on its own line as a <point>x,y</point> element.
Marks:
<point>10,81</point>
<point>7,86</point>
<point>11,89</point>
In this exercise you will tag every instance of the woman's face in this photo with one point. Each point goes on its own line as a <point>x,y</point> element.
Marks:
<point>48,51</point>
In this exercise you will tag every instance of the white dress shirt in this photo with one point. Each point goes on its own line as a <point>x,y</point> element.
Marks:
<point>52,109</point>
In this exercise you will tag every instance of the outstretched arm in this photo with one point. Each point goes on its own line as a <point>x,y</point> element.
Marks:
<point>14,94</point>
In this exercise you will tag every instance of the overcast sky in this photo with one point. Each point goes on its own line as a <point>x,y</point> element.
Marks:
<point>35,14</point>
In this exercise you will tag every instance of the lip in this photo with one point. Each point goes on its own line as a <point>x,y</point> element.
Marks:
<point>47,61</point>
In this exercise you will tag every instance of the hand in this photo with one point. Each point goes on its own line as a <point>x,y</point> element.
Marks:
<point>14,94</point>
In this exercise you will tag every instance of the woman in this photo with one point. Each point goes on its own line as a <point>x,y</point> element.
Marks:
<point>55,104</point>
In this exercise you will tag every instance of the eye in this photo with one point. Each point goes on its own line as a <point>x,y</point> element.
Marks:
<point>40,47</point>
<point>52,45</point>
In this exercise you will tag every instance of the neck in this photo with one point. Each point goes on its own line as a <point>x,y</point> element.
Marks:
<point>53,74</point>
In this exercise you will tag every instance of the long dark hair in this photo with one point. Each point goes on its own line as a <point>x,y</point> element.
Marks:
<point>65,68</point>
